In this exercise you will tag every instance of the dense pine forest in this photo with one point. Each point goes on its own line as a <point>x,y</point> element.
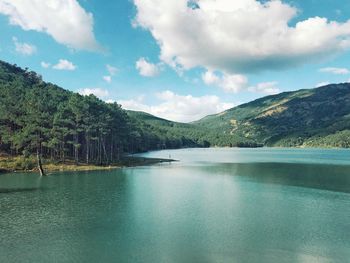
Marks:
<point>42,119</point>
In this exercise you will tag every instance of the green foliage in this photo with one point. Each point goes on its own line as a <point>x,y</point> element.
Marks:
<point>304,118</point>
<point>163,134</point>
<point>40,117</point>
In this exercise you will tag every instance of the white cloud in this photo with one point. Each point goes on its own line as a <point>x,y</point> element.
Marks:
<point>210,78</point>
<point>45,64</point>
<point>178,107</point>
<point>269,88</point>
<point>98,92</point>
<point>240,36</point>
<point>147,69</point>
<point>65,20</point>
<point>108,79</point>
<point>321,84</point>
<point>337,71</point>
<point>24,48</point>
<point>231,83</point>
<point>234,83</point>
<point>111,70</point>
<point>64,64</point>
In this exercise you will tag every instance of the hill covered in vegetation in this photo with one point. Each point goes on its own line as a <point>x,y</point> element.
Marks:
<point>317,117</point>
<point>170,134</point>
<point>42,119</point>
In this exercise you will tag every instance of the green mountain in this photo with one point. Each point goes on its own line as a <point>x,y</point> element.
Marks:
<point>317,117</point>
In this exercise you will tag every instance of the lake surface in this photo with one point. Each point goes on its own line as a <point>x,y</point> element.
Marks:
<point>214,205</point>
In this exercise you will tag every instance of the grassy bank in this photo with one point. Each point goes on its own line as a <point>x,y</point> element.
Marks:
<point>21,164</point>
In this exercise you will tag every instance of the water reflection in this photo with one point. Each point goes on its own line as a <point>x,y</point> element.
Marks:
<point>17,190</point>
<point>318,176</point>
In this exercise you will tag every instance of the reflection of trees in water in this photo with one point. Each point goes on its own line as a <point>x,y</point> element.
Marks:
<point>318,176</point>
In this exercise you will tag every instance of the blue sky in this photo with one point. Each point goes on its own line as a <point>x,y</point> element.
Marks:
<point>175,59</point>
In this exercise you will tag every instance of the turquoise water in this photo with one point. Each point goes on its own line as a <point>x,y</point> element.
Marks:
<point>214,205</point>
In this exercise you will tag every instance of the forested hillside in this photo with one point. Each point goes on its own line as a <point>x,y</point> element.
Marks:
<point>38,118</point>
<point>306,118</point>
<point>188,134</point>
<point>170,134</point>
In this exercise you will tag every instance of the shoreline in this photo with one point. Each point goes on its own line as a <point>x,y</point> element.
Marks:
<point>7,165</point>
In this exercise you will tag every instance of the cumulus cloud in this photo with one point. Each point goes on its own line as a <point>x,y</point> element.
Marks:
<point>108,79</point>
<point>111,70</point>
<point>268,88</point>
<point>177,107</point>
<point>98,92</point>
<point>241,36</point>
<point>64,20</point>
<point>230,83</point>
<point>146,68</point>
<point>45,64</point>
<point>24,48</point>
<point>64,64</point>
<point>336,71</point>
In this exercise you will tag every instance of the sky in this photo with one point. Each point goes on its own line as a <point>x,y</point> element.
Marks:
<point>178,59</point>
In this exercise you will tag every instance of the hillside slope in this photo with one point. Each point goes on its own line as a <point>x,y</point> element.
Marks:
<point>171,134</point>
<point>316,117</point>
<point>41,119</point>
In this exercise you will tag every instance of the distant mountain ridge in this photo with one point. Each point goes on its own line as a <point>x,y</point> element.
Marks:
<point>318,117</point>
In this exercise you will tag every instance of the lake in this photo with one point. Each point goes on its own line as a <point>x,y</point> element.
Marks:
<point>214,205</point>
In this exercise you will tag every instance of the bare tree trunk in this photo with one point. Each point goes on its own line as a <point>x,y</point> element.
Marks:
<point>99,158</point>
<point>76,150</point>
<point>87,141</point>
<point>111,152</point>
<point>104,150</point>
<point>118,151</point>
<point>40,167</point>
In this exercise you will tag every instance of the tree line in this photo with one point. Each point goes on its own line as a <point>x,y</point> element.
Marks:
<point>41,118</point>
